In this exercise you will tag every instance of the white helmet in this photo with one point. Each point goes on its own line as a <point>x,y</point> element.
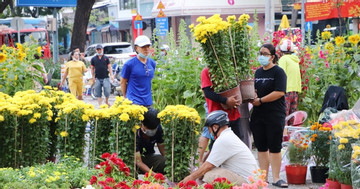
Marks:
<point>165,47</point>
<point>287,45</point>
<point>142,40</point>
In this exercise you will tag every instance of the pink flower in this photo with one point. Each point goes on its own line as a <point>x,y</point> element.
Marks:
<point>317,78</point>
<point>327,64</point>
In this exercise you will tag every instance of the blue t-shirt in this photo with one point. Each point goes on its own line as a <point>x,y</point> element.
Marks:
<point>139,78</point>
<point>145,145</point>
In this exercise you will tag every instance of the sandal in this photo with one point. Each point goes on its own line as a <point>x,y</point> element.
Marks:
<point>280,183</point>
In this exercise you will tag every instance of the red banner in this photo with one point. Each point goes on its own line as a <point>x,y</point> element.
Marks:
<point>322,11</point>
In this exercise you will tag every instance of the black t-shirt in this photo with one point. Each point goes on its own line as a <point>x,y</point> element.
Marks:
<point>146,144</point>
<point>101,66</point>
<point>267,81</point>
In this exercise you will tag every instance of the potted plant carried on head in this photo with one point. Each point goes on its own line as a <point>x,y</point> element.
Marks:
<point>320,151</point>
<point>298,155</point>
<point>224,45</point>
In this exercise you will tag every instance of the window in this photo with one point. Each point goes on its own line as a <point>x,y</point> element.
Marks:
<point>127,4</point>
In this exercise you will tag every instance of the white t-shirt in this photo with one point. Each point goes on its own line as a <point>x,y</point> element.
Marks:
<point>231,153</point>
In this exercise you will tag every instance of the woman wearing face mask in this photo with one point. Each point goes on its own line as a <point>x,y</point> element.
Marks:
<point>75,69</point>
<point>150,132</point>
<point>268,117</point>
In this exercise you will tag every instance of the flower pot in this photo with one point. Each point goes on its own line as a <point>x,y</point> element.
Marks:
<point>333,184</point>
<point>319,174</point>
<point>345,186</point>
<point>296,174</point>
<point>231,92</point>
<point>247,89</point>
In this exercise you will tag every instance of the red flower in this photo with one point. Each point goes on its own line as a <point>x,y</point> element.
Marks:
<point>100,174</point>
<point>105,155</point>
<point>190,183</point>
<point>181,185</point>
<point>97,166</point>
<point>108,187</point>
<point>208,186</point>
<point>93,180</point>
<point>102,163</point>
<point>147,182</point>
<point>126,170</point>
<point>136,183</point>
<point>109,180</point>
<point>122,185</point>
<point>108,170</point>
<point>102,183</point>
<point>159,177</point>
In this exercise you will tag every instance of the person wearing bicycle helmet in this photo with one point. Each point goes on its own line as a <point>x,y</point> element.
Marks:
<point>229,157</point>
<point>289,62</point>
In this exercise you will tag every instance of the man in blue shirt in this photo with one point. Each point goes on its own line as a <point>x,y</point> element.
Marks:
<point>137,73</point>
<point>150,132</point>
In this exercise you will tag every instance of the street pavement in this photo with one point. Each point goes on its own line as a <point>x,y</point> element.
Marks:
<point>308,185</point>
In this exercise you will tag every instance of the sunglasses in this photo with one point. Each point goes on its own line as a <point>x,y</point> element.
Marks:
<point>146,69</point>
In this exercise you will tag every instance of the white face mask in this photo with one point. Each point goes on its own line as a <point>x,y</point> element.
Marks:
<point>149,132</point>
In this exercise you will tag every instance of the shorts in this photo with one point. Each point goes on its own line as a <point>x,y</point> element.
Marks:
<point>267,131</point>
<point>76,86</point>
<point>218,172</point>
<point>99,85</point>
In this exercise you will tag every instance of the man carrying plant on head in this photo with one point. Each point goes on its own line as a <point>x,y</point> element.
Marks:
<point>137,73</point>
<point>150,132</point>
<point>229,157</point>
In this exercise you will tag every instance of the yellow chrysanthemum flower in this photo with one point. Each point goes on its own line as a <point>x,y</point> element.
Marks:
<point>2,118</point>
<point>124,117</point>
<point>326,35</point>
<point>64,134</point>
<point>38,50</point>
<point>3,57</point>
<point>354,39</point>
<point>339,40</point>
<point>32,120</point>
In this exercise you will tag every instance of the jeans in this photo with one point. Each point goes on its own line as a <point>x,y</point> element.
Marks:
<point>99,85</point>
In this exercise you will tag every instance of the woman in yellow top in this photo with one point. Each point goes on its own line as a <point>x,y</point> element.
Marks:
<point>75,69</point>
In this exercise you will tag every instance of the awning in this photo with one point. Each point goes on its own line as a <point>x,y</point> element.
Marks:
<point>89,30</point>
<point>108,27</point>
<point>206,7</point>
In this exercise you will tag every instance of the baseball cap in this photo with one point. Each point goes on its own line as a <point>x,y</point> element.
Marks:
<point>99,46</point>
<point>142,40</point>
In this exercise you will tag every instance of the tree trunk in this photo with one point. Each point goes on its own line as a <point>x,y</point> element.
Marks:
<point>4,4</point>
<point>82,15</point>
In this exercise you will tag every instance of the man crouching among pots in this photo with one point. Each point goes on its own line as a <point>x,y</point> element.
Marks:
<point>229,157</point>
<point>150,132</point>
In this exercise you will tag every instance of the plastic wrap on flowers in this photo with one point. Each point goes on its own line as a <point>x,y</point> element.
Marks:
<point>181,125</point>
<point>355,165</point>
<point>346,133</point>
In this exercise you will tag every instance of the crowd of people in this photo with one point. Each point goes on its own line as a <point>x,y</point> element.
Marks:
<point>229,127</point>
